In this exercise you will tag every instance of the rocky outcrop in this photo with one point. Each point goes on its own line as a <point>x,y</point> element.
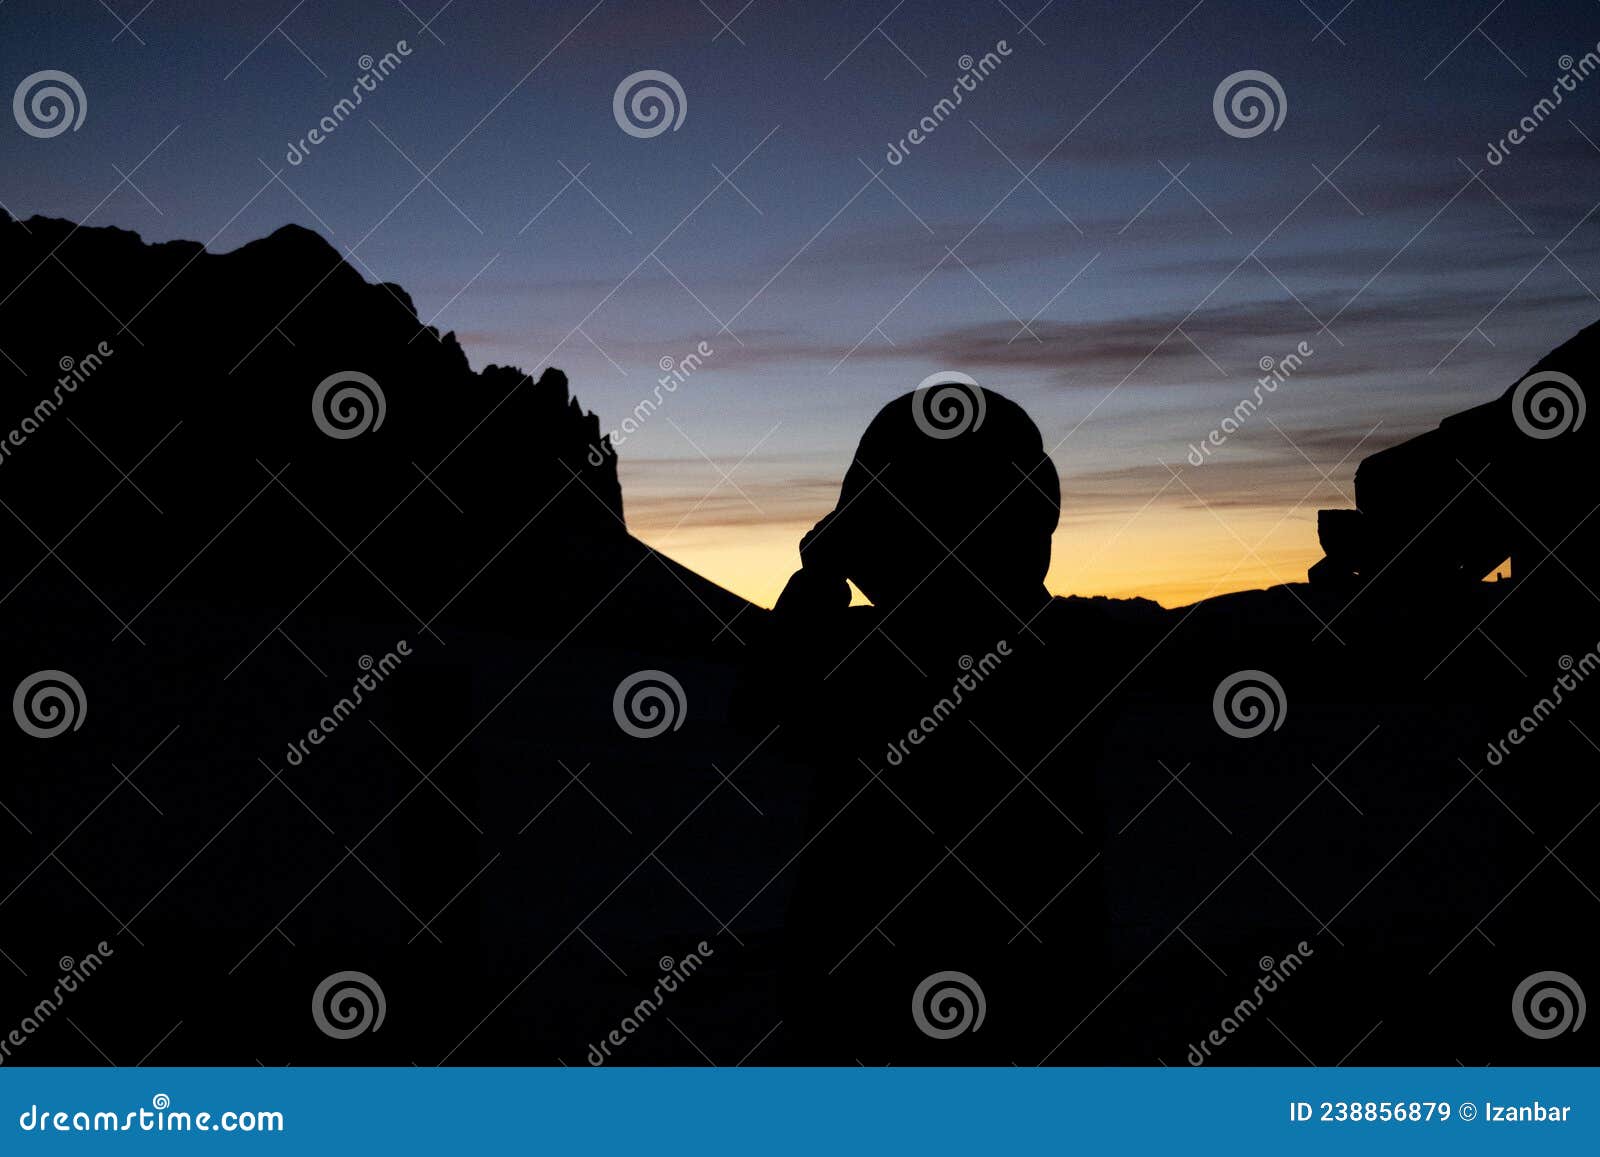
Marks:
<point>1508,479</point>
<point>228,426</point>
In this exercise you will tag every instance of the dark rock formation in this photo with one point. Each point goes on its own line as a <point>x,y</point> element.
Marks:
<point>1511,478</point>
<point>199,375</point>
<point>219,557</point>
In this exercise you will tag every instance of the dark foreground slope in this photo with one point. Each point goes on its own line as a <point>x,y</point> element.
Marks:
<point>216,558</point>
<point>1425,811</point>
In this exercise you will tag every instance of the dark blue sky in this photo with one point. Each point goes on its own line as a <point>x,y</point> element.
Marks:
<point>1155,257</point>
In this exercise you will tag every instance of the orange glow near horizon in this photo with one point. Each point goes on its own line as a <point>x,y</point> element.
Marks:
<point>1175,555</point>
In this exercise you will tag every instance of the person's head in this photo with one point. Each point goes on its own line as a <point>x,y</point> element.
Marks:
<point>948,467</point>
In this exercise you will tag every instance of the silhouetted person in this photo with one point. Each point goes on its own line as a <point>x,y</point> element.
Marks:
<point>951,723</point>
<point>972,831</point>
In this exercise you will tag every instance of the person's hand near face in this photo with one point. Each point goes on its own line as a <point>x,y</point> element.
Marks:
<point>819,585</point>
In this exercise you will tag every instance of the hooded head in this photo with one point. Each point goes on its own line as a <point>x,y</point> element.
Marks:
<point>949,467</point>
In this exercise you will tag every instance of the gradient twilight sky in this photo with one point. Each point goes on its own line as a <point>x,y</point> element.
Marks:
<point>1081,234</point>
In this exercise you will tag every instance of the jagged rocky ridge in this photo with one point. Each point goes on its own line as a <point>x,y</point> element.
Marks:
<point>197,373</point>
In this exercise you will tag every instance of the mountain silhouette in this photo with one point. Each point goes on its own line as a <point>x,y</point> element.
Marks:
<point>214,554</point>
<point>210,369</point>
